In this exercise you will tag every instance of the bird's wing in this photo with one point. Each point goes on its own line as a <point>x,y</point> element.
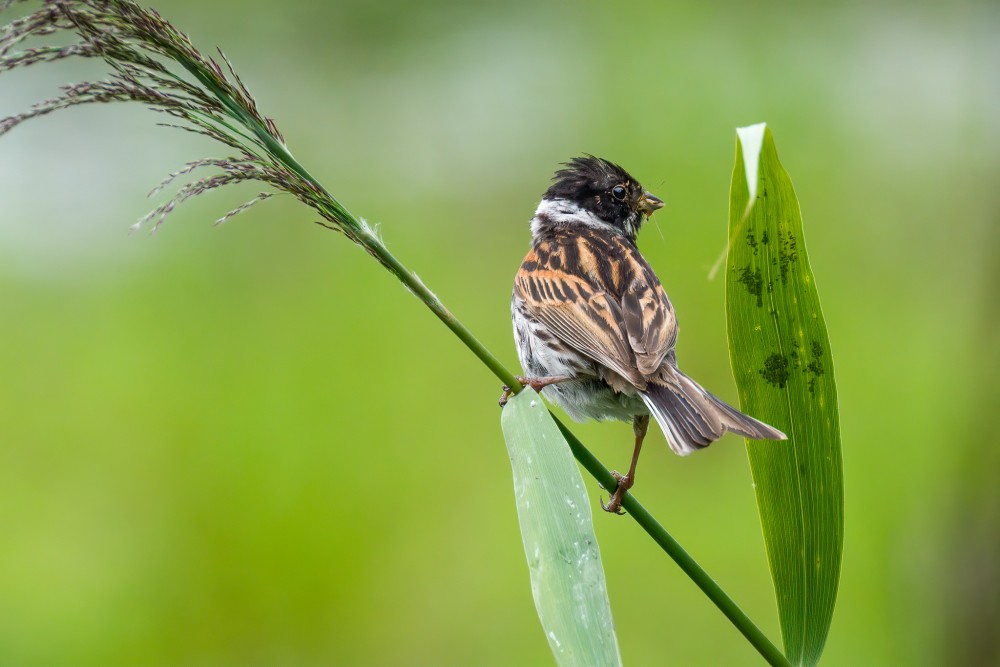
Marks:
<point>649,321</point>
<point>580,314</point>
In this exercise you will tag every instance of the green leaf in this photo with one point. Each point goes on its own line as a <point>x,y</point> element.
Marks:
<point>784,370</point>
<point>567,578</point>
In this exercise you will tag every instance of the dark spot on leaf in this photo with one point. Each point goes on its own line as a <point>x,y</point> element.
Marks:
<point>787,252</point>
<point>775,370</point>
<point>815,366</point>
<point>752,241</point>
<point>765,238</point>
<point>752,280</point>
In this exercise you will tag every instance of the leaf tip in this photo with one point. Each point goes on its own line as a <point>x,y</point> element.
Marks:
<point>751,138</point>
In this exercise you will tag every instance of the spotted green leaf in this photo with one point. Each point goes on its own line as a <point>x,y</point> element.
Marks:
<point>567,578</point>
<point>783,365</point>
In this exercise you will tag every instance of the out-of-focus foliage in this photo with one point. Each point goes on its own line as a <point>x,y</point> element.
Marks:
<point>217,445</point>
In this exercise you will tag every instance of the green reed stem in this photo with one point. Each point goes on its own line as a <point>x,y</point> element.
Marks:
<point>590,462</point>
<point>640,514</point>
<point>653,528</point>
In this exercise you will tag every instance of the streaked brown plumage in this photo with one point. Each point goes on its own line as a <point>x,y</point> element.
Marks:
<point>594,328</point>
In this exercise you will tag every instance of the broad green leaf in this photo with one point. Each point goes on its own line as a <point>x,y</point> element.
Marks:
<point>567,578</point>
<point>784,371</point>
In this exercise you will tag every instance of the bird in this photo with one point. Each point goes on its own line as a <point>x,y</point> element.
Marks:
<point>595,331</point>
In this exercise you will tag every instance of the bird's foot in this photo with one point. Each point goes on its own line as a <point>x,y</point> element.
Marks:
<point>507,391</point>
<point>615,502</point>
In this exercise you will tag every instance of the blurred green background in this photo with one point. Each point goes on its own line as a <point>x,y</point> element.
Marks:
<point>250,446</point>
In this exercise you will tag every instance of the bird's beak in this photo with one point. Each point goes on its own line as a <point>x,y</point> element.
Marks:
<point>649,203</point>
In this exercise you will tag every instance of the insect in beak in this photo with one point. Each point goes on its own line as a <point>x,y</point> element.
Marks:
<point>649,203</point>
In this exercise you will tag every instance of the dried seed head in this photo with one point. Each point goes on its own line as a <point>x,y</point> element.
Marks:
<point>157,65</point>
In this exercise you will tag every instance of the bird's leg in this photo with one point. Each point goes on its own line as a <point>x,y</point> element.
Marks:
<point>535,383</point>
<point>639,425</point>
<point>541,383</point>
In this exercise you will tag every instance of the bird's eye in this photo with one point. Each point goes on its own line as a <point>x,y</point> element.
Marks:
<point>618,192</point>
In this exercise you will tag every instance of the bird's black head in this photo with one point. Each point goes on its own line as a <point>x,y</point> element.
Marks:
<point>605,190</point>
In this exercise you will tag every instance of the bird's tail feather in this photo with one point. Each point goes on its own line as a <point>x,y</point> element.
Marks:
<point>692,418</point>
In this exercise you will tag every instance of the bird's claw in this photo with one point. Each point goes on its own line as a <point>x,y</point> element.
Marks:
<point>614,506</point>
<point>505,395</point>
<point>615,502</point>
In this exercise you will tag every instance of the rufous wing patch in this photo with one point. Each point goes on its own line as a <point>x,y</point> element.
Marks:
<point>580,315</point>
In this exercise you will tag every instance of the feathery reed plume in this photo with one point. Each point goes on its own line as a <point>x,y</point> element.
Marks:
<point>156,64</point>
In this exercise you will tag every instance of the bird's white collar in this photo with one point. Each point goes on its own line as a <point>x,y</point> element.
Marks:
<point>565,211</point>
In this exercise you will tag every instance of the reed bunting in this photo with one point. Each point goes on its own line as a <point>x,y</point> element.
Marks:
<point>595,331</point>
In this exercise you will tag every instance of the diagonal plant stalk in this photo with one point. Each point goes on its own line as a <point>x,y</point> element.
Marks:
<point>141,47</point>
